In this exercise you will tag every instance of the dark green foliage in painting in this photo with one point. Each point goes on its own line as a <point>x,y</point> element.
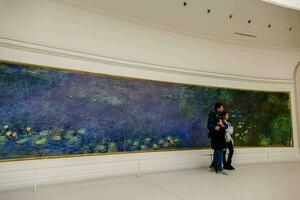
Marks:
<point>259,118</point>
<point>281,131</point>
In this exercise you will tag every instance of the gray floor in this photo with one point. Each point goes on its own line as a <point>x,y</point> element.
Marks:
<point>275,182</point>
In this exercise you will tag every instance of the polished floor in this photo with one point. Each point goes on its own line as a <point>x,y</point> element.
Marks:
<point>278,181</point>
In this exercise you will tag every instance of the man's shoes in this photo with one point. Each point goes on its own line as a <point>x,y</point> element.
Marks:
<point>222,172</point>
<point>211,169</point>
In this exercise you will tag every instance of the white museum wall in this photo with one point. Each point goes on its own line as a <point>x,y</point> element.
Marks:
<point>297,98</point>
<point>53,34</point>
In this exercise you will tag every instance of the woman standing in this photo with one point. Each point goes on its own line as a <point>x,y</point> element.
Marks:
<point>229,142</point>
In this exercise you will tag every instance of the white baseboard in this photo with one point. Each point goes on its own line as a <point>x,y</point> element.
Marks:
<point>14,175</point>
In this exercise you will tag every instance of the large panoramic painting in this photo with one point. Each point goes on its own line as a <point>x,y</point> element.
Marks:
<point>48,112</point>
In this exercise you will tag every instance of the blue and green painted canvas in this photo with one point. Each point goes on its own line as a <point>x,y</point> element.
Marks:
<point>51,112</point>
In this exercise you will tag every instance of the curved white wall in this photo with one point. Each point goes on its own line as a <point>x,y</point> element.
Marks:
<point>50,33</point>
<point>297,95</point>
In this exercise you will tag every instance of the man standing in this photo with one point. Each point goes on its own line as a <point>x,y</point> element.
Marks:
<point>214,127</point>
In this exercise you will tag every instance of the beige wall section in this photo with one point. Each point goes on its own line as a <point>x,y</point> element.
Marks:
<point>297,97</point>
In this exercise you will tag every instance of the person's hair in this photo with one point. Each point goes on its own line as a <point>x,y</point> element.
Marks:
<point>224,113</point>
<point>218,105</point>
<point>219,119</point>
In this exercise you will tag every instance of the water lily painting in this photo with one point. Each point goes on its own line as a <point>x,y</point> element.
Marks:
<point>48,112</point>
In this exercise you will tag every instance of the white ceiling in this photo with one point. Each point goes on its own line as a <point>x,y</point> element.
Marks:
<point>194,19</point>
<point>293,4</point>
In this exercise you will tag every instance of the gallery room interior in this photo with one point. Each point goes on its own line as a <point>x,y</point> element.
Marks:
<point>149,99</point>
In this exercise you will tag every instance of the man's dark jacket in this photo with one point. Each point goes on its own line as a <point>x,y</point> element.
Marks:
<point>212,122</point>
<point>218,141</point>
